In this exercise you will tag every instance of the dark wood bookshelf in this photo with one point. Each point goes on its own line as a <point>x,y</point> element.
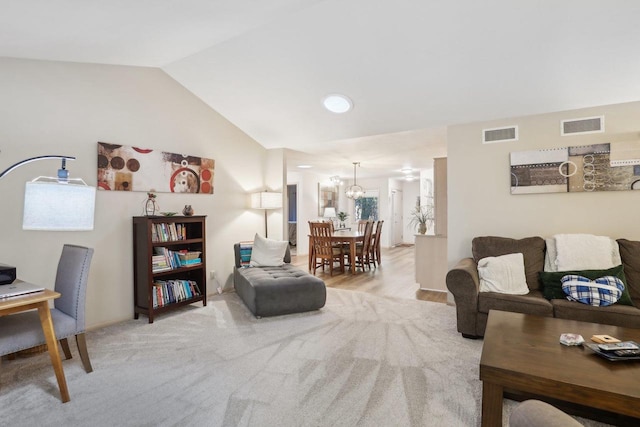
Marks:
<point>143,250</point>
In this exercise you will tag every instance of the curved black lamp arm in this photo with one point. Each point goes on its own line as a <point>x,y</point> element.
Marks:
<point>63,173</point>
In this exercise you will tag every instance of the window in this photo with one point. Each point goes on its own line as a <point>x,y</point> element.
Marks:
<point>366,207</point>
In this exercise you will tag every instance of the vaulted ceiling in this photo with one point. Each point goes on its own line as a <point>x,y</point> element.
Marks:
<point>411,67</point>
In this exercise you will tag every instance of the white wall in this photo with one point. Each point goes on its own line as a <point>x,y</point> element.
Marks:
<point>307,182</point>
<point>480,202</point>
<point>66,108</point>
<point>410,192</point>
<point>275,180</point>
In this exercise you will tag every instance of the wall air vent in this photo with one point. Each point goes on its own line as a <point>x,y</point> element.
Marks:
<point>582,126</point>
<point>505,134</point>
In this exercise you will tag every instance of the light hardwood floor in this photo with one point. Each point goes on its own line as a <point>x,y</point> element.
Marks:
<point>395,277</point>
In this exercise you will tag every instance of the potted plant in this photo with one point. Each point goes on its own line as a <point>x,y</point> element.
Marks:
<point>342,216</point>
<point>421,218</point>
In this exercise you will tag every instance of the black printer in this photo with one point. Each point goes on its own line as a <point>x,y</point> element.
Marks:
<point>7,274</point>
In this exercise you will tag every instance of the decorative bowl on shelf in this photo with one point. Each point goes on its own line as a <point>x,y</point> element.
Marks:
<point>168,213</point>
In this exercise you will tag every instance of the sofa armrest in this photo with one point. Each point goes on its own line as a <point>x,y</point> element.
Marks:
<point>463,282</point>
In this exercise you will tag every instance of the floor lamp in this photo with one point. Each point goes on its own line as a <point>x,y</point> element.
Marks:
<point>266,200</point>
<point>56,203</point>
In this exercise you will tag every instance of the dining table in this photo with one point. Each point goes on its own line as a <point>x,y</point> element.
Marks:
<point>342,236</point>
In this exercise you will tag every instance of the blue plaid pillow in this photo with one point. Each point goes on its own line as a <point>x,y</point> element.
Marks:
<point>602,291</point>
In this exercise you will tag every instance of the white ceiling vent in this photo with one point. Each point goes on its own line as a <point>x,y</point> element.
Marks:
<point>504,134</point>
<point>582,126</point>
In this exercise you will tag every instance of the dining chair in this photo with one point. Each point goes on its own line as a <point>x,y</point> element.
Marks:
<point>24,330</point>
<point>361,225</point>
<point>362,255</point>
<point>324,251</point>
<point>374,250</point>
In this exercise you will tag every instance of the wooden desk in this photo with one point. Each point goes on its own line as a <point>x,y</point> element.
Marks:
<point>350,237</point>
<point>40,301</point>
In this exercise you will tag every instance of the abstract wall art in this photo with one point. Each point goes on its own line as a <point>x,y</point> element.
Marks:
<point>587,168</point>
<point>327,198</point>
<point>126,168</point>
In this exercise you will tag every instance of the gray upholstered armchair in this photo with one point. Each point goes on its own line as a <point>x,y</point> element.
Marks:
<point>24,330</point>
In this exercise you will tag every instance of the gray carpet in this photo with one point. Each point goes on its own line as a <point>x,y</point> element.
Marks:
<point>362,360</point>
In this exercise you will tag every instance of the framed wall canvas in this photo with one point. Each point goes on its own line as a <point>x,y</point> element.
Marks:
<point>126,168</point>
<point>327,198</point>
<point>586,168</point>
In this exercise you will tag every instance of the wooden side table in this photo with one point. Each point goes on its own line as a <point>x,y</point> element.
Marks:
<point>40,301</point>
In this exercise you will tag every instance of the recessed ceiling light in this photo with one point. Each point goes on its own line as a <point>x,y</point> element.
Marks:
<point>304,166</point>
<point>409,177</point>
<point>406,170</point>
<point>337,103</point>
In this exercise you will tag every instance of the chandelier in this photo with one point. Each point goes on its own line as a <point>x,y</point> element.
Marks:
<point>335,180</point>
<point>354,191</point>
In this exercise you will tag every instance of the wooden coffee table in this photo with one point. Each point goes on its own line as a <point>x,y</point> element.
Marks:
<point>522,355</point>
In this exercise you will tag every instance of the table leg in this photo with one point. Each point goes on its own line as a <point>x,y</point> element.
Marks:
<point>491,405</point>
<point>352,249</point>
<point>52,345</point>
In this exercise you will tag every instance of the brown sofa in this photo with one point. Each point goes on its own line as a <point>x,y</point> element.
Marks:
<point>472,306</point>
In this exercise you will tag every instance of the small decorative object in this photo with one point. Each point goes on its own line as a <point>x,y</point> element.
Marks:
<point>168,213</point>
<point>422,217</point>
<point>188,210</point>
<point>150,205</point>
<point>571,339</point>
<point>342,216</point>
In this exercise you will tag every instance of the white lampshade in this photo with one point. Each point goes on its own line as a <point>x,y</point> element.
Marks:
<point>329,213</point>
<point>60,207</point>
<point>266,200</point>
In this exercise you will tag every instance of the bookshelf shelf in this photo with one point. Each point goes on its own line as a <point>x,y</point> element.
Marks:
<point>161,248</point>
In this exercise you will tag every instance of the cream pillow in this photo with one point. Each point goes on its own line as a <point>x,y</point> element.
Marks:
<point>503,274</point>
<point>267,252</point>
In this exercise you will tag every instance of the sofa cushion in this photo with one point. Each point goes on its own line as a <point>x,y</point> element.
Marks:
<point>532,303</point>
<point>532,248</point>
<point>552,285</point>
<point>630,255</point>
<point>616,314</point>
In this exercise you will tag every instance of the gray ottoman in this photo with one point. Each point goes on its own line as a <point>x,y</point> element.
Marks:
<point>535,413</point>
<point>272,291</point>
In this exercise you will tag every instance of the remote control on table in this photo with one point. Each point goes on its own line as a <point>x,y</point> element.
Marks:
<point>635,352</point>
<point>625,345</point>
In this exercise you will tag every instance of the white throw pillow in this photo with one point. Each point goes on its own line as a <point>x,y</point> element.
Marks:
<point>267,252</point>
<point>503,274</point>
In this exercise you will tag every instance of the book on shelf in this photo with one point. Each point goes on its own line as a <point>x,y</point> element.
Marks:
<point>168,232</point>
<point>171,258</point>
<point>172,291</point>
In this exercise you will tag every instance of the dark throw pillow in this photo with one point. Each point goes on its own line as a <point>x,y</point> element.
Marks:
<point>552,285</point>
